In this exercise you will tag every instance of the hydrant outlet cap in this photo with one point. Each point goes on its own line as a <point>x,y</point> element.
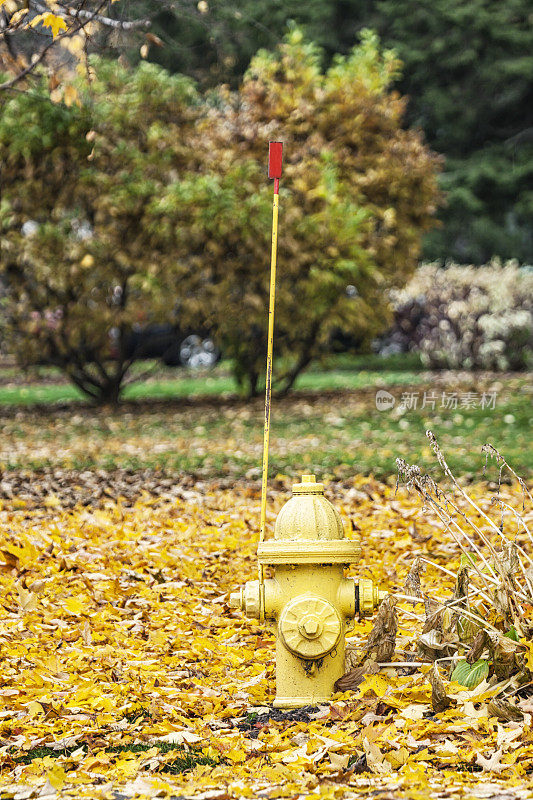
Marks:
<point>308,486</point>
<point>235,599</point>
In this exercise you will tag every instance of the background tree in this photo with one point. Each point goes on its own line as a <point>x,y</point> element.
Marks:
<point>215,40</point>
<point>358,192</point>
<point>468,73</point>
<point>77,257</point>
<point>468,70</point>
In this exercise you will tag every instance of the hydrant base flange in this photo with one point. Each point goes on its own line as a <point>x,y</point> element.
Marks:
<point>300,702</point>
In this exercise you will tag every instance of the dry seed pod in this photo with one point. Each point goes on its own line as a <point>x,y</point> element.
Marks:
<point>505,711</point>
<point>354,677</point>
<point>479,644</point>
<point>412,584</point>
<point>382,639</point>
<point>439,699</point>
<point>503,656</point>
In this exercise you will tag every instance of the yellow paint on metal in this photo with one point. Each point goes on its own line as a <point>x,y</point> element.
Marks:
<point>307,510</point>
<point>309,604</point>
<point>268,388</point>
<point>369,596</point>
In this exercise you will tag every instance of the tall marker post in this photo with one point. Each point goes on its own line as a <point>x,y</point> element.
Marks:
<point>275,154</point>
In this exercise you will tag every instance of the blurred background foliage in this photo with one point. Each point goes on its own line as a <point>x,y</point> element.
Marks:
<point>77,257</point>
<point>134,190</point>
<point>352,213</point>
<point>467,72</point>
<point>465,317</point>
<point>147,201</point>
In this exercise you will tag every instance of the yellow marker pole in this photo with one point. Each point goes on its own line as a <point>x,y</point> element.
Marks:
<point>274,171</point>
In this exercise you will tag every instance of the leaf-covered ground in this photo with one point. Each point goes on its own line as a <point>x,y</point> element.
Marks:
<point>125,673</point>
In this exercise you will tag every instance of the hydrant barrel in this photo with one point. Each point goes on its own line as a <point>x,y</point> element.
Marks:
<point>309,604</point>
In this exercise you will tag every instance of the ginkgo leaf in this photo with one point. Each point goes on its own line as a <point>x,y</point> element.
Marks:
<point>181,737</point>
<point>375,759</point>
<point>27,600</point>
<point>56,776</point>
<point>413,711</point>
<point>236,756</point>
<point>339,761</point>
<point>34,708</point>
<point>397,758</point>
<point>492,764</point>
<point>374,683</point>
<point>74,605</point>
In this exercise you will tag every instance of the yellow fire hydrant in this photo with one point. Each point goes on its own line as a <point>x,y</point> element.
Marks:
<point>309,604</point>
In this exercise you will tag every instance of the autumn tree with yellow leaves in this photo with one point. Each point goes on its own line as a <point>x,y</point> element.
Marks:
<point>77,261</point>
<point>358,192</point>
<point>146,195</point>
<point>57,36</point>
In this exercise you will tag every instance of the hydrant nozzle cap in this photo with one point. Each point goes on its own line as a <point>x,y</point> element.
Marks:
<point>235,599</point>
<point>308,486</point>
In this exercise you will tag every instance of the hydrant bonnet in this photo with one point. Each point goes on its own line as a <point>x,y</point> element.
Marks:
<point>308,530</point>
<point>308,514</point>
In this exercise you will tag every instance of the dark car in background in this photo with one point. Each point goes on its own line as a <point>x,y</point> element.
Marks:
<point>174,347</point>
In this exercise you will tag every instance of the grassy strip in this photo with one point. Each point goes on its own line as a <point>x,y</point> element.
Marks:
<point>187,760</point>
<point>44,752</point>
<point>51,394</point>
<point>335,372</point>
<point>335,434</point>
<point>204,386</point>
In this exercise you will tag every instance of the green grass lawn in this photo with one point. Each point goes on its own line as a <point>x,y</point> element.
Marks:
<point>46,386</point>
<point>181,423</point>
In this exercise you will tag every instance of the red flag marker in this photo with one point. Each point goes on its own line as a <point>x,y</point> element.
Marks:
<point>275,156</point>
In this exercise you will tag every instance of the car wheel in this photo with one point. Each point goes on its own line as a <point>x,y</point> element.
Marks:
<point>172,357</point>
<point>198,353</point>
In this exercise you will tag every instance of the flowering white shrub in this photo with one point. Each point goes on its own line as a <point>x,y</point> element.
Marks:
<point>466,317</point>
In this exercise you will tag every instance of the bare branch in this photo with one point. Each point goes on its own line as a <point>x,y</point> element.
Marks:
<point>26,71</point>
<point>83,17</point>
<point>117,24</point>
